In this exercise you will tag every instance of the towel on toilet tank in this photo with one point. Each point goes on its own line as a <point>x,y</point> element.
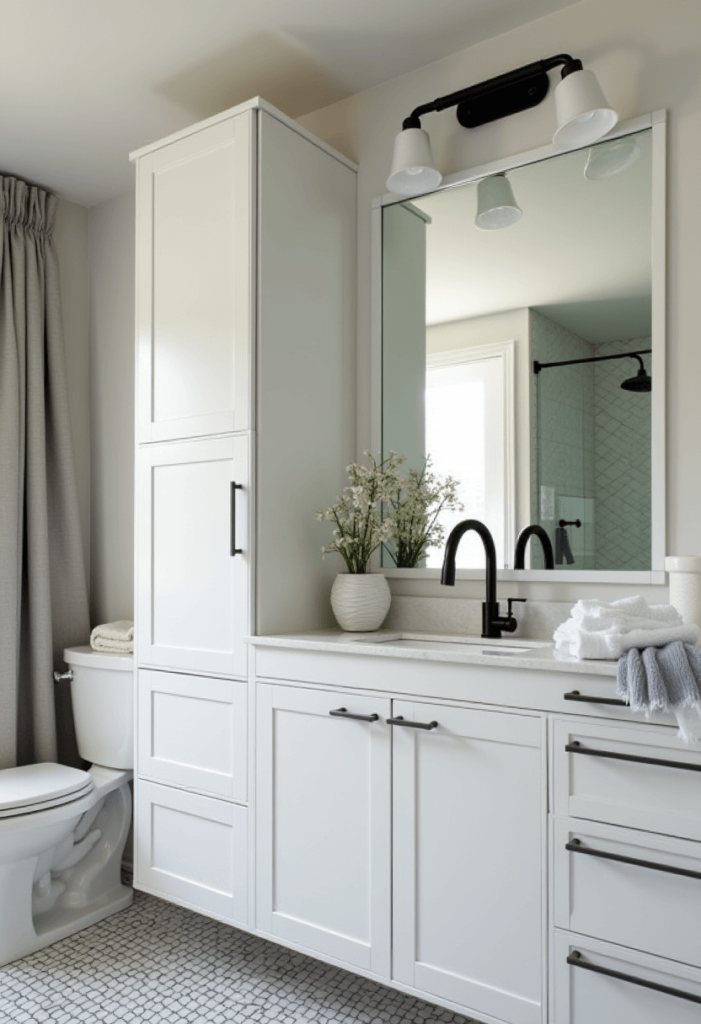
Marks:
<point>114,637</point>
<point>664,679</point>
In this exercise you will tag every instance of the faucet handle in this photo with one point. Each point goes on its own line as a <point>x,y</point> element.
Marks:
<point>512,600</point>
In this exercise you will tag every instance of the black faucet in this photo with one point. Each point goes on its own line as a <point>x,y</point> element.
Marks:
<point>533,531</point>
<point>492,621</point>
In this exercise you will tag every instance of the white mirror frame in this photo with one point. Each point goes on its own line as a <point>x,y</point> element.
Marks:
<point>658,123</point>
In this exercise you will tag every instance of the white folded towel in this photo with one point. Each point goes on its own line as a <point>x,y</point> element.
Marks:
<point>117,637</point>
<point>597,629</point>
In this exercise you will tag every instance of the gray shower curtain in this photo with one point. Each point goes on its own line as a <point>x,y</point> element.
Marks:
<point>43,594</point>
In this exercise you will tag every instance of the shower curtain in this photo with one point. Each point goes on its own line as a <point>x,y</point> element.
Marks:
<point>43,593</point>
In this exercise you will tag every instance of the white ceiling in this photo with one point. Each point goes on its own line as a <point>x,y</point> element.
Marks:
<point>84,82</point>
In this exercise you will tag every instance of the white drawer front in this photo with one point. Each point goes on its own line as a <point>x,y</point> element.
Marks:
<point>592,780</point>
<point>581,996</point>
<point>632,904</point>
<point>192,732</point>
<point>192,849</point>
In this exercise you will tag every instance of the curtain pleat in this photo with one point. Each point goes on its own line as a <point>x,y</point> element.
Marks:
<point>43,593</point>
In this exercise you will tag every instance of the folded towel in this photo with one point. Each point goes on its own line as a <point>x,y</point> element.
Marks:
<point>113,636</point>
<point>596,629</point>
<point>664,679</point>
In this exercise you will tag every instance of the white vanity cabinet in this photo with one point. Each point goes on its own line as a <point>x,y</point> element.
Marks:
<point>460,791</point>
<point>245,298</point>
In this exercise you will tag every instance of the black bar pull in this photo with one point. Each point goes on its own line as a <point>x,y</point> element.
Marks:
<point>400,720</point>
<point>577,748</point>
<point>232,518</point>
<point>576,695</point>
<point>575,960</point>
<point>344,713</point>
<point>576,846</point>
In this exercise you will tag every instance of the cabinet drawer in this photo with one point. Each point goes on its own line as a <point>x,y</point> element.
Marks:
<point>644,990</point>
<point>192,733</point>
<point>192,849</point>
<point>638,776</point>
<point>645,905</point>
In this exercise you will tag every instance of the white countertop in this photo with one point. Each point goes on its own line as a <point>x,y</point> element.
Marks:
<point>540,656</point>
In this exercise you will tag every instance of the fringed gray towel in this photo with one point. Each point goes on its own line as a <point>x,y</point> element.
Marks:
<point>664,679</point>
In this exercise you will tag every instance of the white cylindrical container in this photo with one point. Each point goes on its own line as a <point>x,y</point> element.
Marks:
<point>102,694</point>
<point>685,585</point>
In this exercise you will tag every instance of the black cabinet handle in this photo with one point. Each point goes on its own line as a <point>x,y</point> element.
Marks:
<point>344,713</point>
<point>577,748</point>
<point>576,695</point>
<point>400,720</point>
<point>575,960</point>
<point>232,518</point>
<point>576,846</point>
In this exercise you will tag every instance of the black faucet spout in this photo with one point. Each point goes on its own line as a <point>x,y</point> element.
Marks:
<point>533,531</point>
<point>492,622</point>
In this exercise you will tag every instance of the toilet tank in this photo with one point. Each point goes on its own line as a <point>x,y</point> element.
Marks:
<point>102,694</point>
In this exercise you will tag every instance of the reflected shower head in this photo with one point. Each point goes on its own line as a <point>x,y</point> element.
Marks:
<point>641,381</point>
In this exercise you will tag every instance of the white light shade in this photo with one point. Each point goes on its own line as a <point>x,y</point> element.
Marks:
<point>496,206</point>
<point>583,113</point>
<point>609,158</point>
<point>412,164</point>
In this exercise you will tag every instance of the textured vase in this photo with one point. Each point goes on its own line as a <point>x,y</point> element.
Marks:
<point>360,601</point>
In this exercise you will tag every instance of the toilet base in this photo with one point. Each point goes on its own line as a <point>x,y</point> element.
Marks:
<point>69,884</point>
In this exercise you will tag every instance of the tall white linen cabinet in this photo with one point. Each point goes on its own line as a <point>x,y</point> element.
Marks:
<point>246,296</point>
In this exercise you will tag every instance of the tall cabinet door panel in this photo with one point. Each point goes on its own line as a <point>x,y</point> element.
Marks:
<point>468,838</point>
<point>194,246</point>
<point>323,813</point>
<point>193,555</point>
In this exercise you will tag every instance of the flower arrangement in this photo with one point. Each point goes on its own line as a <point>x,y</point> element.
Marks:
<point>359,525</point>
<point>415,505</point>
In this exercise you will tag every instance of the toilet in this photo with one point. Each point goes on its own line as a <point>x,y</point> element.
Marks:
<point>63,830</point>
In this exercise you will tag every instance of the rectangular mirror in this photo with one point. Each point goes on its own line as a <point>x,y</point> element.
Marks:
<point>519,352</point>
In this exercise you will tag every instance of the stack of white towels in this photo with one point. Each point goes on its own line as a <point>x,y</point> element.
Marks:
<point>596,629</point>
<point>659,664</point>
<point>113,637</point>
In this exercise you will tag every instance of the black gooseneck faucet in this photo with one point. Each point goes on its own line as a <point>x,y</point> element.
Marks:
<point>533,531</point>
<point>492,621</point>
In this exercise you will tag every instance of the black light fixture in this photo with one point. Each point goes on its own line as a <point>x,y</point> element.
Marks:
<point>583,115</point>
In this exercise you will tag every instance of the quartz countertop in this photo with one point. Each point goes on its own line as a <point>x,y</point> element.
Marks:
<point>508,652</point>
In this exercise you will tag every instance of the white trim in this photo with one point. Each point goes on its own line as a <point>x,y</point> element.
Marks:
<point>657,122</point>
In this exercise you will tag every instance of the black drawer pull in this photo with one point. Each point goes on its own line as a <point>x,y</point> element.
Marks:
<point>232,518</point>
<point>344,713</point>
<point>575,846</point>
<point>399,720</point>
<point>576,695</point>
<point>575,960</point>
<point>577,748</point>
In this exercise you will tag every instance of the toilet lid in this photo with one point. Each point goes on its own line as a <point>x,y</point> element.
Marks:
<point>36,787</point>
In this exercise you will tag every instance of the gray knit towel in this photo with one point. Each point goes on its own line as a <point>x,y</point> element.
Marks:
<point>664,679</point>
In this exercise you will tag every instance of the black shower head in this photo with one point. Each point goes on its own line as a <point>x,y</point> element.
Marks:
<point>641,381</point>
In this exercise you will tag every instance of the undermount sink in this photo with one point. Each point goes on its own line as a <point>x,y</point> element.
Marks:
<point>455,645</point>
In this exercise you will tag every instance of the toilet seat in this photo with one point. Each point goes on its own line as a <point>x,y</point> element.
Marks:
<point>36,787</point>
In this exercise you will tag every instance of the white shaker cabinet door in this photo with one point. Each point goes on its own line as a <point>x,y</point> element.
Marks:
<point>193,558</point>
<point>323,820</point>
<point>468,842</point>
<point>194,283</point>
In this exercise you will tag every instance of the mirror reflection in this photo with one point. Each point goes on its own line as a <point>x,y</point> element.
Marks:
<point>517,352</point>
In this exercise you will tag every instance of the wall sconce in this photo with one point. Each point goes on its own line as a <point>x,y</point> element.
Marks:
<point>496,205</point>
<point>583,116</point>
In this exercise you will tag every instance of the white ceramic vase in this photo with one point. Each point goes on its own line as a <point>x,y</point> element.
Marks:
<point>360,601</point>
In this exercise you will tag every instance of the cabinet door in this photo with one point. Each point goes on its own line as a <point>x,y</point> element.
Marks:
<point>192,733</point>
<point>192,590</point>
<point>468,841</point>
<point>193,850</point>
<point>323,821</point>
<point>194,246</point>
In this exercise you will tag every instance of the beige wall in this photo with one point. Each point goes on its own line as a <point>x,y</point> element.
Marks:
<point>112,409</point>
<point>71,238</point>
<point>647,55</point>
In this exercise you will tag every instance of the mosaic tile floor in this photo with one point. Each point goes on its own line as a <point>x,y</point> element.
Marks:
<point>160,964</point>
